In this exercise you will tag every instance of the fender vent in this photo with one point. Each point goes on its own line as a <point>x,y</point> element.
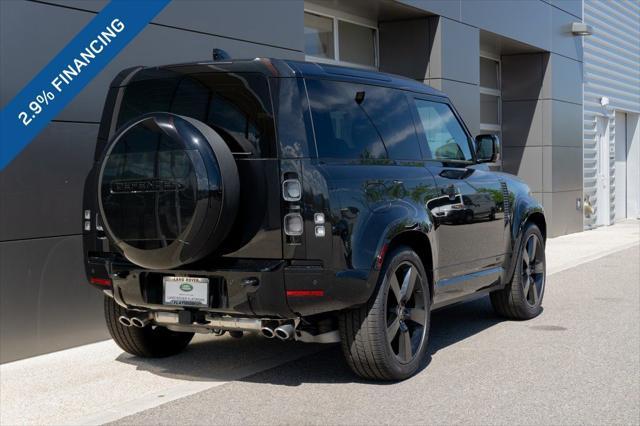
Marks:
<point>506,202</point>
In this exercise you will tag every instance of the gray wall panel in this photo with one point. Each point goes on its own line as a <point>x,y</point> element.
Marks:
<point>522,123</point>
<point>143,50</point>
<point>405,47</point>
<point>562,215</point>
<point>562,123</point>
<point>574,7</point>
<point>447,8</point>
<point>522,76</point>
<point>528,21</point>
<point>562,79</point>
<point>455,51</point>
<point>52,27</point>
<point>42,188</point>
<point>45,301</point>
<point>563,42</point>
<point>526,162</point>
<point>230,18</point>
<point>562,168</point>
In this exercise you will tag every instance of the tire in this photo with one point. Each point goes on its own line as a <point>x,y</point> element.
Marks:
<point>364,330</point>
<point>147,342</point>
<point>521,299</point>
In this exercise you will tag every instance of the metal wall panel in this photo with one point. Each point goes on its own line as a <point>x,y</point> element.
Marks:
<point>45,301</point>
<point>155,45</point>
<point>612,70</point>
<point>42,188</point>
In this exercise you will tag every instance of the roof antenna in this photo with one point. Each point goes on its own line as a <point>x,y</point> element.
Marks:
<point>220,55</point>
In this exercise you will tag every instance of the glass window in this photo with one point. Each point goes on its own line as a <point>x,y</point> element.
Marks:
<point>489,110</point>
<point>237,106</point>
<point>490,96</point>
<point>446,139</point>
<point>342,127</point>
<point>390,112</point>
<point>318,36</point>
<point>357,43</point>
<point>489,73</point>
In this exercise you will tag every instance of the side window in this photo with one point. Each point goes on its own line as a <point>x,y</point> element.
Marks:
<point>446,139</point>
<point>390,111</point>
<point>341,125</point>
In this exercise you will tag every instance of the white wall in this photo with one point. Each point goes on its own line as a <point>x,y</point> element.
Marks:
<point>611,70</point>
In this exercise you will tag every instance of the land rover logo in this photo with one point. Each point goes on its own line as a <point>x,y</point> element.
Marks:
<point>144,185</point>
<point>186,287</point>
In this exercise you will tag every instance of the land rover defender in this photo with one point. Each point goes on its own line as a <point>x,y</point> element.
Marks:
<point>299,201</point>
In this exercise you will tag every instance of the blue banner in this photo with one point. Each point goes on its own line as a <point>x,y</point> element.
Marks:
<point>70,71</point>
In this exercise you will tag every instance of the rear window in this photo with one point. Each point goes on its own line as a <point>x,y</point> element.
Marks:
<point>236,105</point>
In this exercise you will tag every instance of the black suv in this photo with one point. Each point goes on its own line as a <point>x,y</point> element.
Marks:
<point>303,202</point>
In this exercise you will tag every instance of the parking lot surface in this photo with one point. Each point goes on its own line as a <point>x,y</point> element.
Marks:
<point>578,362</point>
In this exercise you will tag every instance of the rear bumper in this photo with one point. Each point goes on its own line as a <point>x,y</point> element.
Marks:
<point>250,288</point>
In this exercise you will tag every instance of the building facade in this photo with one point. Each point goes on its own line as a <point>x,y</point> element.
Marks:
<point>611,112</point>
<point>514,68</point>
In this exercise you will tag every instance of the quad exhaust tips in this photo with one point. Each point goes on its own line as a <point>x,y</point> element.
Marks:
<point>133,322</point>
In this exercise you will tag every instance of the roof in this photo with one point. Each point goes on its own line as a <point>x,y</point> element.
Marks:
<point>290,68</point>
<point>313,69</point>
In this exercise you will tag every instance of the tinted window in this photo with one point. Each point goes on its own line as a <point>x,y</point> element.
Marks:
<point>237,106</point>
<point>341,125</point>
<point>446,139</point>
<point>390,112</point>
<point>294,123</point>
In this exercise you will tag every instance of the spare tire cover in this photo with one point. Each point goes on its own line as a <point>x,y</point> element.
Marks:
<point>168,190</point>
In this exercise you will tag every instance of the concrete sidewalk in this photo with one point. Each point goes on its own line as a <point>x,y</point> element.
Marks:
<point>570,250</point>
<point>99,383</point>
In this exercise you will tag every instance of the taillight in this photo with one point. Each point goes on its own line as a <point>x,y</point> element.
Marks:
<point>292,190</point>
<point>293,224</point>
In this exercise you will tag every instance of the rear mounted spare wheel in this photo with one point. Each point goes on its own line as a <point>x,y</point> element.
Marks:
<point>168,190</point>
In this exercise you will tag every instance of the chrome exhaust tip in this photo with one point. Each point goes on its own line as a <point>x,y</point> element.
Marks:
<point>267,332</point>
<point>139,322</point>
<point>124,321</point>
<point>285,332</point>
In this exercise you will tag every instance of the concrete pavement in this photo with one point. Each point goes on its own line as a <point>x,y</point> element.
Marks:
<point>578,362</point>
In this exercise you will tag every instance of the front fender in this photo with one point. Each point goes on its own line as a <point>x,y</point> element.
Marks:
<point>524,207</point>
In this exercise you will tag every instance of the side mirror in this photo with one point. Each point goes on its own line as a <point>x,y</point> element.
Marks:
<point>487,148</point>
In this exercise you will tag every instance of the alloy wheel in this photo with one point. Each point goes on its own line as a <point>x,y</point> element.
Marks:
<point>533,270</point>
<point>406,314</point>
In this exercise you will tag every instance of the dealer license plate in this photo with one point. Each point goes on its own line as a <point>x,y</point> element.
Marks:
<point>186,291</point>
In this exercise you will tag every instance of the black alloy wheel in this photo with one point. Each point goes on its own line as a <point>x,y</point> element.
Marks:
<point>386,339</point>
<point>521,299</point>
<point>406,314</point>
<point>533,271</point>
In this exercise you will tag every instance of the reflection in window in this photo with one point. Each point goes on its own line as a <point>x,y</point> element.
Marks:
<point>330,39</point>
<point>318,36</point>
<point>237,106</point>
<point>446,140</point>
<point>342,128</point>
<point>357,43</point>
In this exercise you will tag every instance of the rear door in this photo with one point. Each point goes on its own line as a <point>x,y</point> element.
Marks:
<point>468,209</point>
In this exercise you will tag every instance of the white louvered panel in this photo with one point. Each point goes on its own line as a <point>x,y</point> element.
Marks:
<point>611,69</point>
